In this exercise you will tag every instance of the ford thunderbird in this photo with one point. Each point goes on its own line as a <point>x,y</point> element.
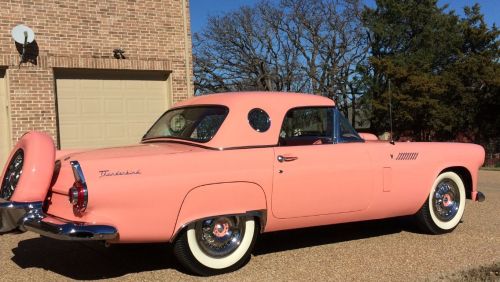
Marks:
<point>215,171</point>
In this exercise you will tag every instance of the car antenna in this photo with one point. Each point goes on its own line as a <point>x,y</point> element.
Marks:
<point>390,112</point>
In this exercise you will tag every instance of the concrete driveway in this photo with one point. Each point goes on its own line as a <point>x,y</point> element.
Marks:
<point>378,250</point>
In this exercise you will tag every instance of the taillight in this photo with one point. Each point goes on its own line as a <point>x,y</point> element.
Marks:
<point>78,194</point>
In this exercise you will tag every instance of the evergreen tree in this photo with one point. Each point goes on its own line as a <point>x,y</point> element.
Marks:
<point>474,80</point>
<point>412,43</point>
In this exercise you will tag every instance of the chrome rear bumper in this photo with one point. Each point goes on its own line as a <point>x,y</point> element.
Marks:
<point>30,216</point>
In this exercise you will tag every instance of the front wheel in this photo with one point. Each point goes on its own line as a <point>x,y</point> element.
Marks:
<point>216,245</point>
<point>444,207</point>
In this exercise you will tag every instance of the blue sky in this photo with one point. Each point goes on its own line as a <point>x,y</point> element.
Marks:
<point>202,9</point>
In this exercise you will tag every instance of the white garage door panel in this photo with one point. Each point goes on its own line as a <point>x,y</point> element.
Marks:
<point>154,105</point>
<point>114,106</point>
<point>108,112</point>
<point>136,106</point>
<point>68,107</point>
<point>90,107</point>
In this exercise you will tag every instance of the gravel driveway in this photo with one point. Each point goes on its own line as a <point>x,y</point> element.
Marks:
<point>388,250</point>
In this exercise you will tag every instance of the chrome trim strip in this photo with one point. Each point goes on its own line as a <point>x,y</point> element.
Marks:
<point>164,140</point>
<point>210,148</point>
<point>30,216</point>
<point>336,127</point>
<point>248,147</point>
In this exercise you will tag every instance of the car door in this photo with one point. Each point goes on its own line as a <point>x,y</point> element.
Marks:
<point>315,175</point>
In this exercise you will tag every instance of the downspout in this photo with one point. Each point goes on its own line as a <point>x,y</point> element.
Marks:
<point>187,54</point>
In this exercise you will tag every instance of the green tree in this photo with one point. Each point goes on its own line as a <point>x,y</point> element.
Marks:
<point>411,44</point>
<point>444,71</point>
<point>474,80</point>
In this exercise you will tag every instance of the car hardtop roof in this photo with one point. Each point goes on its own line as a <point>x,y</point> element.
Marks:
<point>236,131</point>
<point>259,98</point>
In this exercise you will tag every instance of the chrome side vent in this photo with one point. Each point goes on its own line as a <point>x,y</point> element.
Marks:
<point>406,156</point>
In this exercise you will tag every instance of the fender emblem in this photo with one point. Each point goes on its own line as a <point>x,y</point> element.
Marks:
<point>106,172</point>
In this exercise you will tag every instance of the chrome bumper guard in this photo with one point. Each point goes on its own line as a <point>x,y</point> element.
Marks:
<point>30,217</point>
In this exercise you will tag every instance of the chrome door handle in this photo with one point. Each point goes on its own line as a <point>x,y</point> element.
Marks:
<point>286,158</point>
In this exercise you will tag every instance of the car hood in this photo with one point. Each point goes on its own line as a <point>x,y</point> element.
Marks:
<point>141,150</point>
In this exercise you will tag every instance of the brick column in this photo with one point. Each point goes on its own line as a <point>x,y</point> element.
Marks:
<point>32,101</point>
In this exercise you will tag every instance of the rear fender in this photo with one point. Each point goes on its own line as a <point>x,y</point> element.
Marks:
<point>38,167</point>
<point>234,198</point>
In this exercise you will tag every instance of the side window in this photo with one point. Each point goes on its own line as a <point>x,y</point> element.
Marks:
<point>259,120</point>
<point>307,126</point>
<point>347,132</point>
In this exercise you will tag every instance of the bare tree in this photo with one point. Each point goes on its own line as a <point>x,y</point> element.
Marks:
<point>309,46</point>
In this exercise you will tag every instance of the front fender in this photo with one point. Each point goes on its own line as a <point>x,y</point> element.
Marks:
<point>219,199</point>
<point>471,158</point>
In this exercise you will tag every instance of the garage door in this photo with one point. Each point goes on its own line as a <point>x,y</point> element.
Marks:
<point>4,122</point>
<point>108,109</point>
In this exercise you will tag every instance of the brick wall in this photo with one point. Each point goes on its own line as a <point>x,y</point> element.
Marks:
<point>32,98</point>
<point>83,34</point>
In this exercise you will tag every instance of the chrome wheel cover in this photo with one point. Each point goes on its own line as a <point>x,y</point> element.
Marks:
<point>446,200</point>
<point>12,175</point>
<point>220,236</point>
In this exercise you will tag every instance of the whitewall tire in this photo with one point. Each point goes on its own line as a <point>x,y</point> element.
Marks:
<point>216,245</point>
<point>445,205</point>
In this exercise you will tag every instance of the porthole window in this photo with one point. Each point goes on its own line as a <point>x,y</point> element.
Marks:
<point>259,120</point>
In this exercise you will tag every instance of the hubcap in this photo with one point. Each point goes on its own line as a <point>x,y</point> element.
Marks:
<point>12,175</point>
<point>219,237</point>
<point>446,201</point>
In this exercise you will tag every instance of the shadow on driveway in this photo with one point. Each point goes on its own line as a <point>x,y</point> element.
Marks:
<point>92,261</point>
<point>316,236</point>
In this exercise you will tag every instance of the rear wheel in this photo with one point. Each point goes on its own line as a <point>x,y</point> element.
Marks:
<point>443,210</point>
<point>216,245</point>
<point>12,175</point>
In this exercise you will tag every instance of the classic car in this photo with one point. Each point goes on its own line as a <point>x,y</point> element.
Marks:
<point>215,171</point>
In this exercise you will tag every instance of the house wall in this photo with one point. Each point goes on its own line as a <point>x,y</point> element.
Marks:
<point>81,34</point>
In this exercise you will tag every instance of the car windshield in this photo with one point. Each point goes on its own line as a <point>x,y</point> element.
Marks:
<point>198,124</point>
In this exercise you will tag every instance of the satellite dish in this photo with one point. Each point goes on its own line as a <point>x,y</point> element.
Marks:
<point>23,34</point>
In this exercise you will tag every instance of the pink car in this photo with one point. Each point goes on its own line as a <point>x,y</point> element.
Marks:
<point>215,171</point>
